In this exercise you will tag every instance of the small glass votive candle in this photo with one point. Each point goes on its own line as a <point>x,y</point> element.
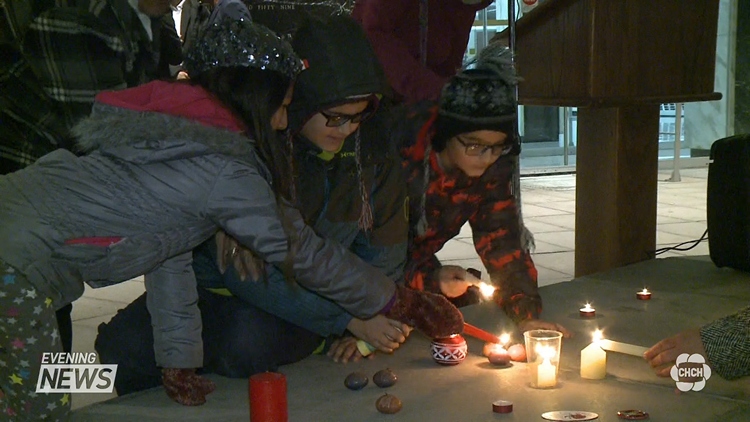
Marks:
<point>543,357</point>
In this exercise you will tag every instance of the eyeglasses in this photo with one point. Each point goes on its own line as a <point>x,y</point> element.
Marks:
<point>475,150</point>
<point>340,119</point>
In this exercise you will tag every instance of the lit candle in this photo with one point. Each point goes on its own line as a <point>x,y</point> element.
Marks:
<point>643,294</point>
<point>587,311</point>
<point>487,290</point>
<point>497,354</point>
<point>546,375</point>
<point>594,359</point>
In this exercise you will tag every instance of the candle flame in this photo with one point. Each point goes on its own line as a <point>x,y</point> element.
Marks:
<point>598,335</point>
<point>504,338</point>
<point>546,352</point>
<point>644,291</point>
<point>588,307</point>
<point>486,289</point>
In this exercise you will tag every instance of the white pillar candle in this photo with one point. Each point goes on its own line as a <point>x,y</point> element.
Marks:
<point>593,362</point>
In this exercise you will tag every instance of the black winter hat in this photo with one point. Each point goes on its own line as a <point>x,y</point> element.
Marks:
<point>480,97</point>
<point>340,64</point>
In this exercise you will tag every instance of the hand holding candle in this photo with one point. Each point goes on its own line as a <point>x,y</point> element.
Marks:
<point>594,359</point>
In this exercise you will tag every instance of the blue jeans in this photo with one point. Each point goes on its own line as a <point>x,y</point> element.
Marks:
<point>288,301</point>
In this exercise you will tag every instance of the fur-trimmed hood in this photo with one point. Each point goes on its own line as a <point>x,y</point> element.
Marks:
<point>161,121</point>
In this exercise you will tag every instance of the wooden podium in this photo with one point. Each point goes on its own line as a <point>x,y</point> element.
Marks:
<point>617,61</point>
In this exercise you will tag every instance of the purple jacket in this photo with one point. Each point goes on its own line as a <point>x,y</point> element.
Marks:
<point>392,27</point>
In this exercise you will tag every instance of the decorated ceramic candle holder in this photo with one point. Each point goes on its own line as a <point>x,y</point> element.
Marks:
<point>450,350</point>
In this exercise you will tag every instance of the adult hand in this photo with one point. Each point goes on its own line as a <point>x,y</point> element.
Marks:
<point>184,386</point>
<point>454,280</point>
<point>662,355</point>
<point>182,75</point>
<point>382,333</point>
<point>229,251</point>
<point>538,324</point>
<point>345,350</point>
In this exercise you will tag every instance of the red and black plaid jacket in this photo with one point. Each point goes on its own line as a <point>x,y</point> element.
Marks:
<point>452,199</point>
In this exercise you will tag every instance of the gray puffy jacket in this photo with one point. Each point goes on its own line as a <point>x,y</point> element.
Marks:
<point>162,185</point>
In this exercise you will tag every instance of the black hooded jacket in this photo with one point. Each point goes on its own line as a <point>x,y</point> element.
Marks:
<point>341,64</point>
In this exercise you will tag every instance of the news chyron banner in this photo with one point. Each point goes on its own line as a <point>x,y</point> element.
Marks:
<point>74,373</point>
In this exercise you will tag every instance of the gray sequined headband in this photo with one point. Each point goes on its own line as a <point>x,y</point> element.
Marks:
<point>231,39</point>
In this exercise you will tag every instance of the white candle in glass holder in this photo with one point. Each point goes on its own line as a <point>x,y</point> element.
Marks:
<point>546,375</point>
<point>594,359</point>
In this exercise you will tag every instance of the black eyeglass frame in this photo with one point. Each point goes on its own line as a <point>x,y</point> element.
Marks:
<point>354,118</point>
<point>477,150</point>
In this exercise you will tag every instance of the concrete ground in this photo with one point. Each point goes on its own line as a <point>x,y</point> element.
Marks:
<point>549,212</point>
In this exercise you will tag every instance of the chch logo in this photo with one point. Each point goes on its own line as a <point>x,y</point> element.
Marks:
<point>690,372</point>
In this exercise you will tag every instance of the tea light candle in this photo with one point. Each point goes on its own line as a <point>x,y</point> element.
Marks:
<point>587,311</point>
<point>502,406</point>
<point>643,294</point>
<point>498,355</point>
<point>594,359</point>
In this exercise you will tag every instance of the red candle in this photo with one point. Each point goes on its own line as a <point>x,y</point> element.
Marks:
<point>502,406</point>
<point>479,333</point>
<point>498,356</point>
<point>587,311</point>
<point>643,294</point>
<point>267,393</point>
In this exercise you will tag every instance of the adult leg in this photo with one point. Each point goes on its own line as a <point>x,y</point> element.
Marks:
<point>27,329</point>
<point>240,339</point>
<point>288,301</point>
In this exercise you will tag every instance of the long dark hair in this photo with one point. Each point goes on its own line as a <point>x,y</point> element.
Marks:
<point>253,95</point>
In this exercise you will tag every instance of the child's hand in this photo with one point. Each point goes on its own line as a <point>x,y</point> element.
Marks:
<point>454,280</point>
<point>230,252</point>
<point>382,333</point>
<point>345,350</point>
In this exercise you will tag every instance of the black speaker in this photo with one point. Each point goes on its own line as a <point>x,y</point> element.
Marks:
<point>728,207</point>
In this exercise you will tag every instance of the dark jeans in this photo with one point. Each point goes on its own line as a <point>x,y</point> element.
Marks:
<point>238,340</point>
<point>65,326</point>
